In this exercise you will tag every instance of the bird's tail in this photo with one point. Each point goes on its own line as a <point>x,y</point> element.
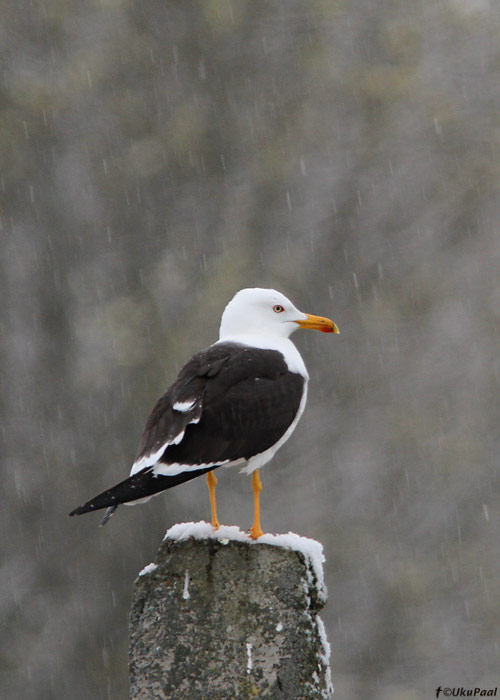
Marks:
<point>138,486</point>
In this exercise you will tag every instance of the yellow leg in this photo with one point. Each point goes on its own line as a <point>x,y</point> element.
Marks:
<point>212,483</point>
<point>256,530</point>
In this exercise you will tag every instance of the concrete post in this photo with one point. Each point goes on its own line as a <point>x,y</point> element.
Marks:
<point>220,617</point>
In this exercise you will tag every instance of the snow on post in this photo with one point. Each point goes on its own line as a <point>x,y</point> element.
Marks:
<point>219,616</point>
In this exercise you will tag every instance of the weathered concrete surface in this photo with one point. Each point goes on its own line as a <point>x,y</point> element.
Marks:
<point>225,620</point>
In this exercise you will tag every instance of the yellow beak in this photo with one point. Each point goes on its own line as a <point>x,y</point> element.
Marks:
<point>318,323</point>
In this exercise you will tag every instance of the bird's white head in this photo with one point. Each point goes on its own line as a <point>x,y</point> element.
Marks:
<point>267,312</point>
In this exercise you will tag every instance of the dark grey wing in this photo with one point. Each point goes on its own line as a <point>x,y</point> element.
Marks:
<point>247,406</point>
<point>180,406</point>
<point>230,402</point>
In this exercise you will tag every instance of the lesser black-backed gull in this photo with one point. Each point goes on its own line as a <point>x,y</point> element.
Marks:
<point>234,403</point>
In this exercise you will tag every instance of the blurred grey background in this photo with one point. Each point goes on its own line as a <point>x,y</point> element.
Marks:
<point>156,157</point>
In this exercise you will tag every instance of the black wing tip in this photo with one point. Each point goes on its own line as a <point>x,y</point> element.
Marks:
<point>81,510</point>
<point>88,509</point>
<point>143,484</point>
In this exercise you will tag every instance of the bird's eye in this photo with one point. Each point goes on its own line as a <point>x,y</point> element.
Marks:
<point>277,308</point>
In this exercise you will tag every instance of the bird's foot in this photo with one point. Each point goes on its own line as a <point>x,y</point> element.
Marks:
<point>256,532</point>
